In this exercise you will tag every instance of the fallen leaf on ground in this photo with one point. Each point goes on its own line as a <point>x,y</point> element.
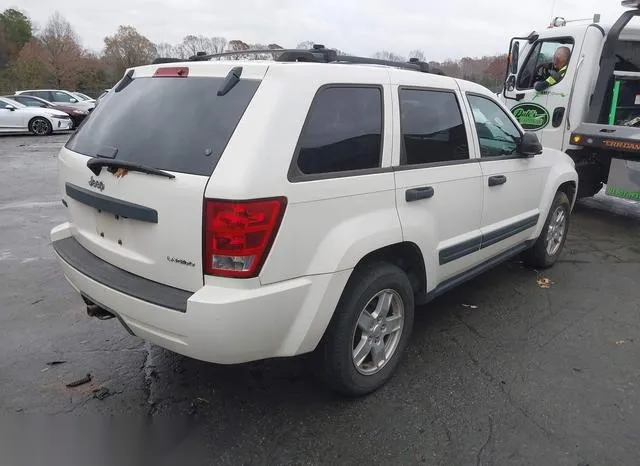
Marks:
<point>82,381</point>
<point>622,342</point>
<point>101,393</point>
<point>544,282</point>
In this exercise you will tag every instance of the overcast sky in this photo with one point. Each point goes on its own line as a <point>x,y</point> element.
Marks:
<point>459,28</point>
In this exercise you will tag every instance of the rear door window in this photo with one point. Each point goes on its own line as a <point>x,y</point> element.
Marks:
<point>174,124</point>
<point>343,131</point>
<point>63,97</point>
<point>432,127</point>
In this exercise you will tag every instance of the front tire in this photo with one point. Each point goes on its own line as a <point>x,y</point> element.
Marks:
<point>549,245</point>
<point>40,126</point>
<point>369,332</point>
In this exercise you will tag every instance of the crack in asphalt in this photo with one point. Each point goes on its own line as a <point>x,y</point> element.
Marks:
<point>492,379</point>
<point>469,327</point>
<point>486,443</point>
<point>147,370</point>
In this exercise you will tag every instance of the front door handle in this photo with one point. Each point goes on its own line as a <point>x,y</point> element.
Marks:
<point>497,180</point>
<point>415,194</point>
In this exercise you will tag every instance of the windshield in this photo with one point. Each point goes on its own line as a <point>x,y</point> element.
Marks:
<point>173,124</point>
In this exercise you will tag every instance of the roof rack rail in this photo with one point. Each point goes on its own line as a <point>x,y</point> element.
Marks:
<point>318,54</point>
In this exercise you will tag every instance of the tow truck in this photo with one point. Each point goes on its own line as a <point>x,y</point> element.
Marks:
<point>593,113</point>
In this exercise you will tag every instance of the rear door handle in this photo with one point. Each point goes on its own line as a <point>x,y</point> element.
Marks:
<point>497,180</point>
<point>415,194</point>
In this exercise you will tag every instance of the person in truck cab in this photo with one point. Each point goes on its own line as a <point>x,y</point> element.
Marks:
<point>557,72</point>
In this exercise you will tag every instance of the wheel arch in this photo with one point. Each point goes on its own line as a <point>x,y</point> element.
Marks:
<point>407,256</point>
<point>570,188</point>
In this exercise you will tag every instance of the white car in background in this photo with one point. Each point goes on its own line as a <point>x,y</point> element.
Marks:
<point>17,118</point>
<point>83,97</point>
<point>58,96</point>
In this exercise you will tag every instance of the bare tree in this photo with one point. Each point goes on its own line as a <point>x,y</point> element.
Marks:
<point>218,44</point>
<point>419,54</point>
<point>164,50</point>
<point>193,44</point>
<point>306,45</point>
<point>128,48</point>
<point>386,55</point>
<point>61,50</point>
<point>238,46</point>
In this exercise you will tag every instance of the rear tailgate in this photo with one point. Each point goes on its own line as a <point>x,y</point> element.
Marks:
<point>147,224</point>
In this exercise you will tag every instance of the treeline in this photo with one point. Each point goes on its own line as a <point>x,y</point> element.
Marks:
<point>53,56</point>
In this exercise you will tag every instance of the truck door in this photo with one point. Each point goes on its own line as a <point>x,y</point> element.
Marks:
<point>542,112</point>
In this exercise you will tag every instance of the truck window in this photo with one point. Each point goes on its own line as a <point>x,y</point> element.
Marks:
<point>540,57</point>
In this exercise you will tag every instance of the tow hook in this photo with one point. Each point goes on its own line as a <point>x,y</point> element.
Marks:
<point>93,310</point>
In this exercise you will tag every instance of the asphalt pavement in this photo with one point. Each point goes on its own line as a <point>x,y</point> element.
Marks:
<point>509,369</point>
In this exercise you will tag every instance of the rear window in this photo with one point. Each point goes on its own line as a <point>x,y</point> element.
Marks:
<point>174,124</point>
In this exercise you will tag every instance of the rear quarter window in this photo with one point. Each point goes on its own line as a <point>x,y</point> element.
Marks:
<point>173,124</point>
<point>343,131</point>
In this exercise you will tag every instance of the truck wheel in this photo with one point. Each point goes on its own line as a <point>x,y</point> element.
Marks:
<point>549,244</point>
<point>369,332</point>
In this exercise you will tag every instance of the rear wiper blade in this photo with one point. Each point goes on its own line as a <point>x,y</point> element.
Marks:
<point>96,163</point>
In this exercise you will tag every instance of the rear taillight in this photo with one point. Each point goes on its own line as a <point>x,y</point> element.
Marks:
<point>239,234</point>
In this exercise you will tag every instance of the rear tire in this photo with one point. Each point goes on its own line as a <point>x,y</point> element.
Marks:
<point>549,245</point>
<point>40,126</point>
<point>369,332</point>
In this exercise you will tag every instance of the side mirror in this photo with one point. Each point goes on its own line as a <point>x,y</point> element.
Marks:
<point>513,59</point>
<point>73,101</point>
<point>529,145</point>
<point>10,108</point>
<point>511,83</point>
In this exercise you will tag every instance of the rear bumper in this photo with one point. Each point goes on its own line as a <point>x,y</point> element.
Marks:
<point>228,322</point>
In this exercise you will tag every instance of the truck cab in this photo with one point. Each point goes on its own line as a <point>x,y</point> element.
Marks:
<point>601,86</point>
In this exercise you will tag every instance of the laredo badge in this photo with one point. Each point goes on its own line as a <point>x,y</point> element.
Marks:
<point>531,116</point>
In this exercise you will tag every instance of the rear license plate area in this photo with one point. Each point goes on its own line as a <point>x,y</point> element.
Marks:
<point>110,226</point>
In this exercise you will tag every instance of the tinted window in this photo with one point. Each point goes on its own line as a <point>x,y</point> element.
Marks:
<point>432,127</point>
<point>42,94</point>
<point>29,102</point>
<point>343,131</point>
<point>496,132</point>
<point>175,124</point>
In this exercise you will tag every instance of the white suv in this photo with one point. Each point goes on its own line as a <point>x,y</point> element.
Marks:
<point>233,211</point>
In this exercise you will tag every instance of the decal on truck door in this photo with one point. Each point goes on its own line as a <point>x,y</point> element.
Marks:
<point>531,116</point>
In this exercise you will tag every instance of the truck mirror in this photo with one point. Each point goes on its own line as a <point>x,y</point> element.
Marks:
<point>513,57</point>
<point>511,83</point>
